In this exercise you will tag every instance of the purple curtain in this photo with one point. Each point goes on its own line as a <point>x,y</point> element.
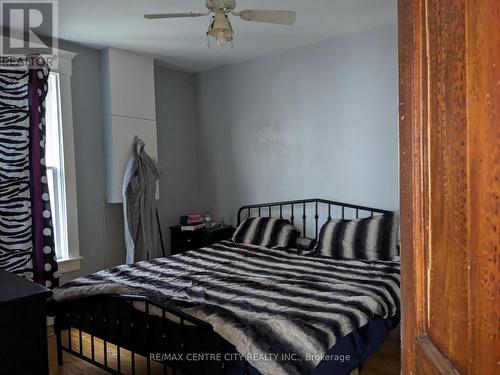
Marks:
<point>44,259</point>
<point>26,232</point>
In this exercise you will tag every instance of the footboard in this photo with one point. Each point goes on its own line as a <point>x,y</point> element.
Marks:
<point>141,329</point>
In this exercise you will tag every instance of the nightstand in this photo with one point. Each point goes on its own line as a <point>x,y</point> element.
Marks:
<point>23,326</point>
<point>189,240</point>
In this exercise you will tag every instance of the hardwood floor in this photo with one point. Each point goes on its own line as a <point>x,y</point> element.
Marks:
<point>385,362</point>
<point>75,366</point>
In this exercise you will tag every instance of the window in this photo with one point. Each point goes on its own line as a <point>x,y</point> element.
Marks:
<point>54,161</point>
<point>60,164</point>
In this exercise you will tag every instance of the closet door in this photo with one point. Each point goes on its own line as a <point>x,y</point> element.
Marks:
<point>450,185</point>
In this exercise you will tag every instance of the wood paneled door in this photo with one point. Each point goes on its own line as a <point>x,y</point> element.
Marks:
<point>449,53</point>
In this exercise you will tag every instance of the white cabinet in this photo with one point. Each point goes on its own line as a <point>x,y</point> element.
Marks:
<point>129,110</point>
<point>129,86</point>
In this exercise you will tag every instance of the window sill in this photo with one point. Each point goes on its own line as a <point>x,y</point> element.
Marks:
<point>69,264</point>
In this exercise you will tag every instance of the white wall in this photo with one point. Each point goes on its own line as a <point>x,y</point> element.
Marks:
<point>316,121</point>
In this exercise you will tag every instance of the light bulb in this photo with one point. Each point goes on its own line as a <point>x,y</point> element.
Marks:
<point>221,39</point>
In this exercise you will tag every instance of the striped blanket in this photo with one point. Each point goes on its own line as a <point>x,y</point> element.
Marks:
<point>269,304</point>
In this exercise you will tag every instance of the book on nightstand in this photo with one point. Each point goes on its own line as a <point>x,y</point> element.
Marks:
<point>191,219</point>
<point>193,226</point>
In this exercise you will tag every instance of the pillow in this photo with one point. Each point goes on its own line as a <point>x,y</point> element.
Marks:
<point>372,238</point>
<point>267,232</point>
<point>304,243</point>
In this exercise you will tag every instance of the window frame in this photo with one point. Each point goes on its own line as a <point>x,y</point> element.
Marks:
<point>64,68</point>
<point>55,168</point>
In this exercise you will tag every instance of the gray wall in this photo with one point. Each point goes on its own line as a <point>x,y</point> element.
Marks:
<point>316,121</point>
<point>177,148</point>
<point>100,229</point>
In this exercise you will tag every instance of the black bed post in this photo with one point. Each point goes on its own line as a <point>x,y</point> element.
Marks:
<point>159,230</point>
<point>59,347</point>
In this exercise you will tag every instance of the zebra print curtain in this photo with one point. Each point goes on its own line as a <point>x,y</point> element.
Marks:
<point>26,233</point>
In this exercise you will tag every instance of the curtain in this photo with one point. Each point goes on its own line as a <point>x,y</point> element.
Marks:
<point>26,232</point>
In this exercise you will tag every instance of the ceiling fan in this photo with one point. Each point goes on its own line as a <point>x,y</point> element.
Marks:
<point>220,28</point>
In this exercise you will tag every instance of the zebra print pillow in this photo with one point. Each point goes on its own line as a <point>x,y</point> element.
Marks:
<point>266,231</point>
<point>373,238</point>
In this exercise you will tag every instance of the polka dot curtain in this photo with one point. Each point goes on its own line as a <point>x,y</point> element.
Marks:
<point>26,232</point>
<point>44,257</point>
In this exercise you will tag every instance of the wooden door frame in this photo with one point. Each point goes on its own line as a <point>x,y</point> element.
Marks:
<point>412,75</point>
<point>482,89</point>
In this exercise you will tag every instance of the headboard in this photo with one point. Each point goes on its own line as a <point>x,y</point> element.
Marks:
<point>304,208</point>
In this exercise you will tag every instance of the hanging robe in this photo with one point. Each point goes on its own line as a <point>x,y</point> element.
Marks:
<point>142,232</point>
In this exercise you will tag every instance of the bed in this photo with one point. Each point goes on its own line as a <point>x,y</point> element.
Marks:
<point>234,308</point>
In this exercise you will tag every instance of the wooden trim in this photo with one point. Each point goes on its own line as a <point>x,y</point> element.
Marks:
<point>421,25</point>
<point>69,165</point>
<point>69,264</point>
<point>483,118</point>
<point>434,355</point>
<point>411,91</point>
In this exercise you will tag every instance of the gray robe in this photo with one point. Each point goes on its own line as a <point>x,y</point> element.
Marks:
<point>142,234</point>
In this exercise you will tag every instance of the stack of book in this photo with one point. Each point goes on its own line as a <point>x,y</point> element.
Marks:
<point>192,222</point>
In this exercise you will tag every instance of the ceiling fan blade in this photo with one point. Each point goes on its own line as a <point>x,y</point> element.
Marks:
<point>156,16</point>
<point>280,17</point>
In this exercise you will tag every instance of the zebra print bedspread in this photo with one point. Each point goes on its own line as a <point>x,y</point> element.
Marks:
<point>262,301</point>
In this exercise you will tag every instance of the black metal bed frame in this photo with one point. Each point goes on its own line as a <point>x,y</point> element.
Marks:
<point>303,204</point>
<point>115,320</point>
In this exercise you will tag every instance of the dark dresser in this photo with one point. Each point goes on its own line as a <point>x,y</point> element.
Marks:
<point>189,240</point>
<point>23,326</point>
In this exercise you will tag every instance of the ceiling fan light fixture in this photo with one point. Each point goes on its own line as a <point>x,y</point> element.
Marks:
<point>220,30</point>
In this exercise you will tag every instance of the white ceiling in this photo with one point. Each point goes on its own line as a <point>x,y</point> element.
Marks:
<point>182,42</point>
